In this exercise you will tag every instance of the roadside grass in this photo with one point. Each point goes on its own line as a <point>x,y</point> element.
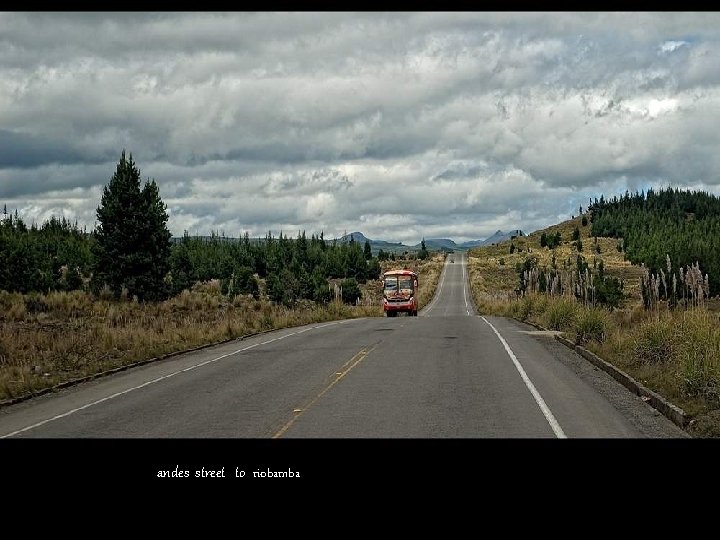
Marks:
<point>71,335</point>
<point>47,339</point>
<point>675,353</point>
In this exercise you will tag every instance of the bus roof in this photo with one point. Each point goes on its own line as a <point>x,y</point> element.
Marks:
<point>399,273</point>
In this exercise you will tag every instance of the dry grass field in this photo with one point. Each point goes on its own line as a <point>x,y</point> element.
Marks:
<point>47,339</point>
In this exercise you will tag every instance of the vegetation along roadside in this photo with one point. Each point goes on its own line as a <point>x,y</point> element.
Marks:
<point>628,279</point>
<point>75,303</point>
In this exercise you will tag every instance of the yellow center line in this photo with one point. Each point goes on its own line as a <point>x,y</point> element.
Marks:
<point>347,367</point>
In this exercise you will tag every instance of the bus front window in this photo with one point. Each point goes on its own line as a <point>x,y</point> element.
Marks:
<point>391,284</point>
<point>406,283</point>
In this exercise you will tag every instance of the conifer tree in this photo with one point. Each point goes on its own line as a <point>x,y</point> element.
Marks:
<point>132,248</point>
<point>423,254</point>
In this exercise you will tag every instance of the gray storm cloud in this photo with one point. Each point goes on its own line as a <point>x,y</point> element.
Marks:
<point>398,125</point>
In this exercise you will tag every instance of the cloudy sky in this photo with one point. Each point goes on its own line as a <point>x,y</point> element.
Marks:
<point>399,125</point>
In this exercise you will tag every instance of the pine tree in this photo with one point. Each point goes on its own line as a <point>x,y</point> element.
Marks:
<point>356,265</point>
<point>350,291</point>
<point>132,248</point>
<point>368,250</point>
<point>423,254</point>
<point>374,269</point>
<point>183,272</point>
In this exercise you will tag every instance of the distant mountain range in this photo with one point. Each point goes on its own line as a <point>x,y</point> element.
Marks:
<point>432,244</point>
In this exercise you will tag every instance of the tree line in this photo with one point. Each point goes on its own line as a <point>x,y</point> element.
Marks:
<point>54,256</point>
<point>131,252</point>
<point>666,230</point>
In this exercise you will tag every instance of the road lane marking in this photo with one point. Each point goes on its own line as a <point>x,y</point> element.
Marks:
<point>559,433</point>
<point>464,286</point>
<point>298,411</point>
<point>153,381</point>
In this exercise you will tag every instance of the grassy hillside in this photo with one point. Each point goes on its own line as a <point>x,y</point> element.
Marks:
<point>492,268</point>
<point>675,352</point>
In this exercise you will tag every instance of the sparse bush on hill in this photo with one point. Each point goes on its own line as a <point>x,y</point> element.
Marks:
<point>553,240</point>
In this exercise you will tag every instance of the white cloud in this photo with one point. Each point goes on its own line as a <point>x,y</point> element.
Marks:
<point>670,46</point>
<point>401,125</point>
<point>657,107</point>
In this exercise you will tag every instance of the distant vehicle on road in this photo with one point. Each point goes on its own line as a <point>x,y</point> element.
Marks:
<point>400,292</point>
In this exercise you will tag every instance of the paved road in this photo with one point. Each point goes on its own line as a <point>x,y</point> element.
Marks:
<point>447,373</point>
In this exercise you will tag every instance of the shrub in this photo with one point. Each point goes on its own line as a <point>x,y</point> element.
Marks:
<point>540,305</point>
<point>34,303</point>
<point>10,301</point>
<point>591,324</point>
<point>699,354</point>
<point>350,291</point>
<point>524,308</point>
<point>608,291</point>
<point>654,343</point>
<point>16,312</point>
<point>561,314</point>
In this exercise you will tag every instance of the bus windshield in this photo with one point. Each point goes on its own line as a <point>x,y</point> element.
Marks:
<point>391,283</point>
<point>406,282</point>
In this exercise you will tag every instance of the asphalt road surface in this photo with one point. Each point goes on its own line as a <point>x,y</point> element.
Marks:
<point>448,373</point>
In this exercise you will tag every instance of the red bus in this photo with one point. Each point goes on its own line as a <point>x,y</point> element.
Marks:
<point>400,292</point>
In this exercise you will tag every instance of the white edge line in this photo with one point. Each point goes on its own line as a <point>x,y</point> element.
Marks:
<point>559,433</point>
<point>465,288</point>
